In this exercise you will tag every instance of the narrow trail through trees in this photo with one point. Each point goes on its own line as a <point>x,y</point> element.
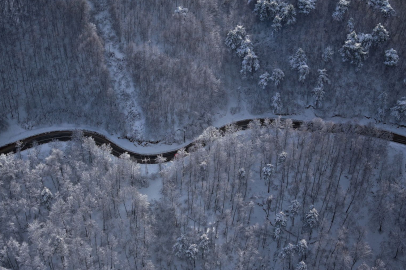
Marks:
<point>117,150</point>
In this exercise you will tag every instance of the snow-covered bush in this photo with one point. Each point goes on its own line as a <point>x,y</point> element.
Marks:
<point>327,54</point>
<point>235,37</point>
<point>383,6</point>
<point>277,76</point>
<point>391,57</point>
<point>353,51</point>
<point>380,34</point>
<point>341,8</point>
<point>263,80</point>
<point>250,63</point>
<point>400,109</point>
<point>305,6</point>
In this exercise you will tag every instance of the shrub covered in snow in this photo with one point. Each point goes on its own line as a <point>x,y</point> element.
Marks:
<point>391,57</point>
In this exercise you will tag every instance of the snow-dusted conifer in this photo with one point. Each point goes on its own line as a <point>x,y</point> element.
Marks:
<point>327,54</point>
<point>312,217</point>
<point>301,266</point>
<point>288,13</point>
<point>267,172</point>
<point>245,47</point>
<point>353,51</point>
<point>318,94</point>
<point>391,57</point>
<point>181,246</point>
<point>277,76</point>
<point>235,37</point>
<point>294,207</point>
<point>250,63</point>
<point>263,80</point>
<point>341,8</point>
<point>191,252</point>
<point>323,77</point>
<point>305,6</point>
<point>204,243</point>
<point>266,9</point>
<point>46,196</point>
<point>298,59</point>
<point>287,251</point>
<point>366,40</point>
<point>383,6</point>
<point>181,10</point>
<point>379,34</point>
<point>277,23</point>
<point>400,109</point>
<point>282,157</point>
<point>383,103</point>
<point>302,247</point>
<point>350,25</point>
<point>303,72</point>
<point>280,219</point>
<point>298,62</point>
<point>276,102</point>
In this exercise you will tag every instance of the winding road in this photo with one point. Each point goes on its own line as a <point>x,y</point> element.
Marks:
<point>150,158</point>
